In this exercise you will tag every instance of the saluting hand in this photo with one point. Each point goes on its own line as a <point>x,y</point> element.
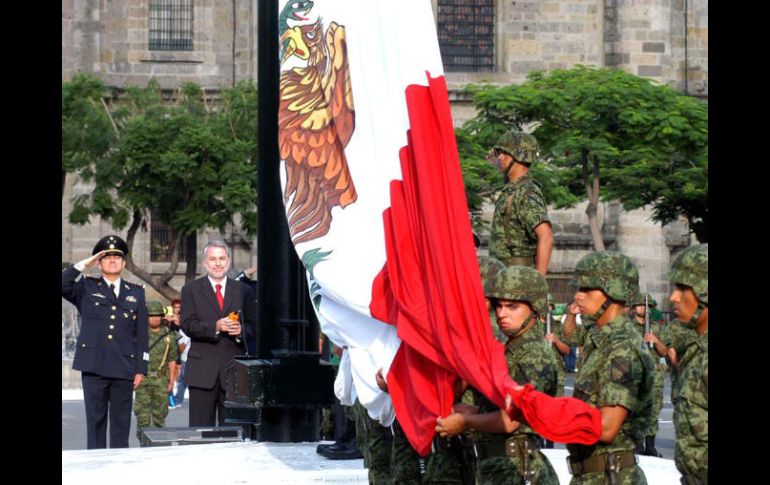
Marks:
<point>90,261</point>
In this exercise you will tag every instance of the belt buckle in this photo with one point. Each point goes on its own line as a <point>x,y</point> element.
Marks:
<point>613,462</point>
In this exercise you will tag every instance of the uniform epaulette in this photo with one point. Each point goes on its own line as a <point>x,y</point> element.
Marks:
<point>92,277</point>
<point>131,283</point>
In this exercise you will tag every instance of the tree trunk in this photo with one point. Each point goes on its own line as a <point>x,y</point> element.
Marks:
<point>191,256</point>
<point>158,283</point>
<point>592,190</point>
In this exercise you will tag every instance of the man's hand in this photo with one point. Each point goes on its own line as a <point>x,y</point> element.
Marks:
<point>138,380</point>
<point>551,338</point>
<point>381,380</point>
<point>573,308</point>
<point>231,327</point>
<point>650,337</point>
<point>451,425</point>
<point>88,262</point>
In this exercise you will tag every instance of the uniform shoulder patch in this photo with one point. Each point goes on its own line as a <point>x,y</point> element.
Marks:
<point>620,369</point>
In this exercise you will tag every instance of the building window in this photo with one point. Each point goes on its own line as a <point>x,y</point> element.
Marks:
<point>162,241</point>
<point>466,35</point>
<point>171,23</point>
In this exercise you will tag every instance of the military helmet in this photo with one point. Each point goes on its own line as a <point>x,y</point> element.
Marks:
<point>155,308</point>
<point>523,147</point>
<point>639,300</point>
<point>609,271</point>
<point>489,267</point>
<point>691,268</point>
<point>521,283</point>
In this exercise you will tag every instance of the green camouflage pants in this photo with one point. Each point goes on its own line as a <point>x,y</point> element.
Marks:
<point>405,462</point>
<point>445,467</point>
<point>375,442</point>
<point>151,404</point>
<point>657,392</point>
<point>627,476</point>
<point>504,470</point>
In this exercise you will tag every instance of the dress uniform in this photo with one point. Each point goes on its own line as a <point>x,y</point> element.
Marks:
<point>111,348</point>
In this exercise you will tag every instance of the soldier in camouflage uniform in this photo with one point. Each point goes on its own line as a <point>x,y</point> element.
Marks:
<point>376,443</point>
<point>521,232</point>
<point>689,276</point>
<point>509,451</point>
<point>151,405</point>
<point>559,348</point>
<point>657,350</point>
<point>676,337</point>
<point>489,267</point>
<point>616,375</point>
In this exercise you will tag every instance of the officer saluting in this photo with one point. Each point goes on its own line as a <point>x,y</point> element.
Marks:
<point>112,345</point>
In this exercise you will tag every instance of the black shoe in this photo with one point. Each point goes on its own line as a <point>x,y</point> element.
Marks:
<point>340,451</point>
<point>649,447</point>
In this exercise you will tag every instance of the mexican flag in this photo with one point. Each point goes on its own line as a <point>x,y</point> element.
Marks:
<point>377,212</point>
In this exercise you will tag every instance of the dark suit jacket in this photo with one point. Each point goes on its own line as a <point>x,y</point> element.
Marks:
<point>200,311</point>
<point>113,333</point>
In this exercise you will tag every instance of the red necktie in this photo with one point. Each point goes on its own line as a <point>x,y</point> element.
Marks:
<point>220,298</point>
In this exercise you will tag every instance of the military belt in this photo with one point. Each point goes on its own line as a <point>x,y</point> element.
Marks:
<point>155,374</point>
<point>516,446</point>
<point>606,462</point>
<point>520,261</point>
<point>691,480</point>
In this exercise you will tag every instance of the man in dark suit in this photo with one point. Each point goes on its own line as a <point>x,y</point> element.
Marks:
<point>112,346</point>
<point>206,303</point>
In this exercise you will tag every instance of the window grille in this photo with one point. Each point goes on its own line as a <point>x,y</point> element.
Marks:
<point>466,35</point>
<point>171,23</point>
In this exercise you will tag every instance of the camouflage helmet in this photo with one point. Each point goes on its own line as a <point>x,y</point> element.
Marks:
<point>609,271</point>
<point>523,147</point>
<point>691,268</point>
<point>489,267</point>
<point>521,283</point>
<point>639,300</point>
<point>155,309</point>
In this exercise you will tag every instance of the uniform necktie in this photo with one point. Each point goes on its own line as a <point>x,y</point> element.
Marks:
<point>220,298</point>
<point>112,288</point>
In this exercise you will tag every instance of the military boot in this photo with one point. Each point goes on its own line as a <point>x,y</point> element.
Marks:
<point>649,447</point>
<point>639,449</point>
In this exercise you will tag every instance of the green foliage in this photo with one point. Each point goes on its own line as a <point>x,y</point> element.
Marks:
<point>191,163</point>
<point>650,142</point>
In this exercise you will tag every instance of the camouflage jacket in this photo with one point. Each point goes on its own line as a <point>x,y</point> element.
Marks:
<point>679,337</point>
<point>162,352</point>
<point>520,207</point>
<point>529,360</point>
<point>691,410</point>
<point>616,372</point>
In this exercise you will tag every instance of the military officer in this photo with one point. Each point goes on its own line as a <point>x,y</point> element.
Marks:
<point>521,232</point>
<point>690,298</point>
<point>151,406</point>
<point>112,346</point>
<point>615,377</point>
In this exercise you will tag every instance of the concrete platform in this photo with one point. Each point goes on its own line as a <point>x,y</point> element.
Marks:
<point>257,463</point>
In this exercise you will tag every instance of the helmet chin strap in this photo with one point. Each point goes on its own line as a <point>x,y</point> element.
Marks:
<point>693,322</point>
<point>524,327</point>
<point>596,316</point>
<point>507,171</point>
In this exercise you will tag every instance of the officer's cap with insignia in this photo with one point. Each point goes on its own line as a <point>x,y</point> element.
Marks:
<point>113,245</point>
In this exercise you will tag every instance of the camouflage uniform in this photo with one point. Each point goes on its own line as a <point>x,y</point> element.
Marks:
<point>676,335</point>
<point>520,207</point>
<point>151,403</point>
<point>691,402</point>
<point>449,459</point>
<point>615,372</point>
<point>404,460</point>
<point>375,443</point>
<point>659,370</point>
<point>561,370</point>
<point>508,459</point>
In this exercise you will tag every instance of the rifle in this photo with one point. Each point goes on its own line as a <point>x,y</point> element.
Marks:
<point>548,316</point>
<point>647,320</point>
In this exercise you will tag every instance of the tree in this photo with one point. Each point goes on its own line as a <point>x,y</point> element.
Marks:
<point>606,129</point>
<point>192,165</point>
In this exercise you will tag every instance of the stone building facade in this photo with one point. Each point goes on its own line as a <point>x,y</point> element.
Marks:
<point>111,38</point>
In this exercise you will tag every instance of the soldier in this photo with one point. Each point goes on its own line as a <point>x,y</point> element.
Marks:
<point>689,275</point>
<point>112,345</point>
<point>560,350</point>
<point>376,444</point>
<point>151,406</point>
<point>616,375</point>
<point>509,451</point>
<point>521,232</point>
<point>657,350</point>
<point>489,267</point>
